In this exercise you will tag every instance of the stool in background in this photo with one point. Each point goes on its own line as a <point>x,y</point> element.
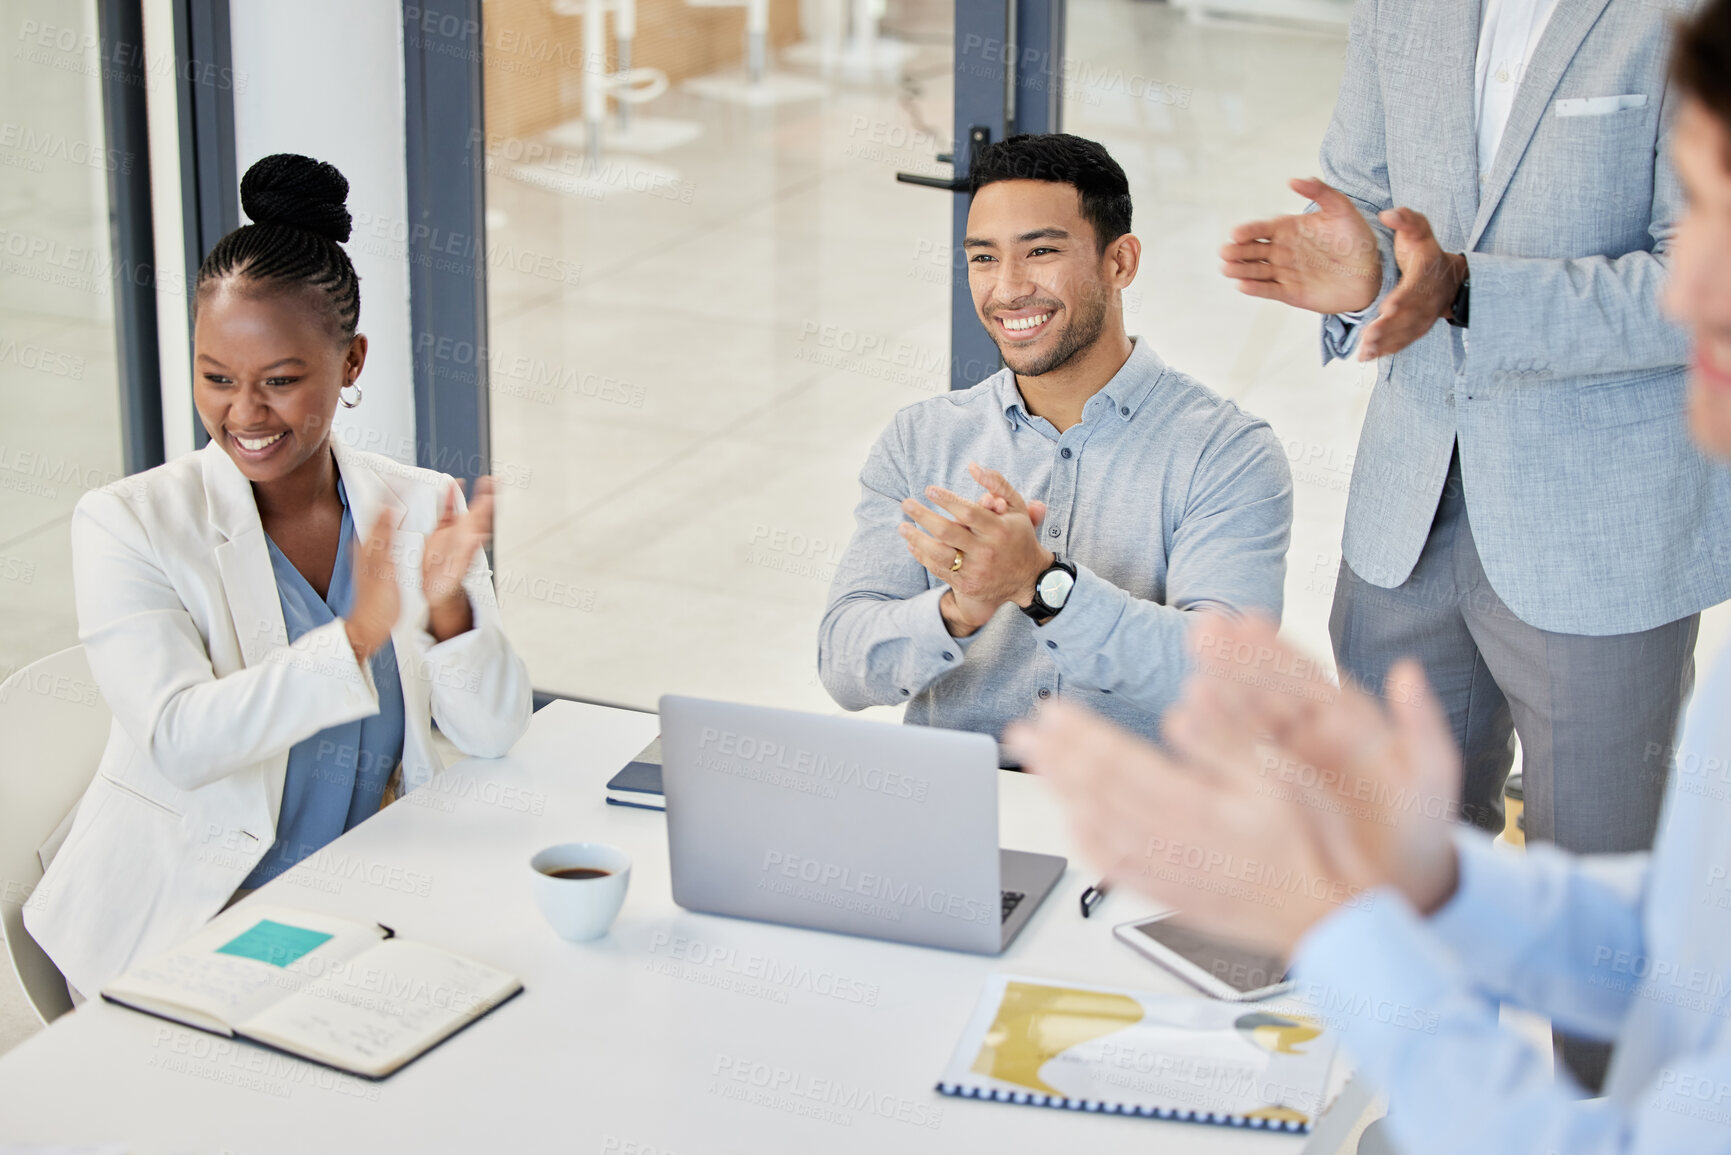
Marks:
<point>1514,820</point>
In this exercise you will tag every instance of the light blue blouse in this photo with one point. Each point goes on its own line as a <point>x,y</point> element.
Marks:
<point>336,777</point>
<point>1633,949</point>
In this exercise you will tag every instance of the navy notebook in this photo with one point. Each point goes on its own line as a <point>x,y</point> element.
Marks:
<point>639,784</point>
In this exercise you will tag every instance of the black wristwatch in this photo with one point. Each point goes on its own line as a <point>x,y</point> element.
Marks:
<point>1051,590</point>
<point>1463,300</point>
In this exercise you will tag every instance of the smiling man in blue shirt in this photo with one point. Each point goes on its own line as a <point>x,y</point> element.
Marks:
<point>1112,496</point>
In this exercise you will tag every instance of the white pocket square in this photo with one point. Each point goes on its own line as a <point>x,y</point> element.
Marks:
<point>1600,105</point>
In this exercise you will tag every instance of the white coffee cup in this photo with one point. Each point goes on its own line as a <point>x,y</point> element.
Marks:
<point>580,908</point>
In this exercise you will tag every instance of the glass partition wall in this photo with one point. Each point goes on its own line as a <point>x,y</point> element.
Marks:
<point>703,315</point>
<point>697,332</point>
<point>59,398</point>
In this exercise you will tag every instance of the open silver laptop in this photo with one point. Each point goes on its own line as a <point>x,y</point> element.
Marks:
<point>843,824</point>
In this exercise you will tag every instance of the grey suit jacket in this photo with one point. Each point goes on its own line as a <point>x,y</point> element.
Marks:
<point>1592,510</point>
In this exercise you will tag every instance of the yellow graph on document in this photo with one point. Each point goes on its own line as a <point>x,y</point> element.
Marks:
<point>1281,1034</point>
<point>1035,1023</point>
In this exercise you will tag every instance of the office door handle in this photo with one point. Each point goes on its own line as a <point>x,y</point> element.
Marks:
<point>978,136</point>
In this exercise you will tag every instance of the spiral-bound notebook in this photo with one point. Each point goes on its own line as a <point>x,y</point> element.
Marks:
<point>1157,1056</point>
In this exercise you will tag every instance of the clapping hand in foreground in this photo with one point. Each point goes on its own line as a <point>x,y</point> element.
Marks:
<point>1280,797</point>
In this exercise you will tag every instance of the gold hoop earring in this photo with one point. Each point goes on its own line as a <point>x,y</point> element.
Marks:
<point>346,403</point>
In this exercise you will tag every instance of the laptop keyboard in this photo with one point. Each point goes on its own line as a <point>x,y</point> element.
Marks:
<point>1011,900</point>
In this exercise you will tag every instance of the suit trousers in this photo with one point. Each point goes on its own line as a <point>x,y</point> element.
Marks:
<point>1596,716</point>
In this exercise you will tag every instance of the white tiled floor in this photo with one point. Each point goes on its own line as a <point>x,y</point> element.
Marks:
<point>681,428</point>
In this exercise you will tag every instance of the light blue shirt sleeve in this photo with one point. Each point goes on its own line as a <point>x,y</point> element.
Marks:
<point>1553,932</point>
<point>1340,331</point>
<point>1228,554</point>
<point>1416,1005</point>
<point>883,638</point>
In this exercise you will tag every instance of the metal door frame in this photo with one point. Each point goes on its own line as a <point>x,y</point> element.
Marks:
<point>1009,79</point>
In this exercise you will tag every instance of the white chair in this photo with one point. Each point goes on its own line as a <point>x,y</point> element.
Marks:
<point>757,87</point>
<point>53,726</point>
<point>627,86</point>
<point>864,57</point>
<point>756,32</point>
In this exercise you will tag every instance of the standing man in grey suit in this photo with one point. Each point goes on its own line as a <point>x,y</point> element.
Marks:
<point>1526,515</point>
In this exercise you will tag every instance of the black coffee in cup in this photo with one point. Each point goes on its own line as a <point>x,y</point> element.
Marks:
<point>576,872</point>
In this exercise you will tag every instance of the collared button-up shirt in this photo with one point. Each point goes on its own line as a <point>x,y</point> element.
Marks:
<point>1632,949</point>
<point>1509,31</point>
<point>1166,498</point>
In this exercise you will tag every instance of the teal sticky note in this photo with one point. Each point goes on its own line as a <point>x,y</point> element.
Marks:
<point>273,942</point>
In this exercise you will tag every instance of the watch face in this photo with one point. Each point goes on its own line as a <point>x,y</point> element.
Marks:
<point>1055,586</point>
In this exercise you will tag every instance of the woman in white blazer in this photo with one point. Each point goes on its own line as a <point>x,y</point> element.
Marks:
<point>267,671</point>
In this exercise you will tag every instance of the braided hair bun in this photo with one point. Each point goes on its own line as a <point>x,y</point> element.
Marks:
<point>299,192</point>
<point>295,240</point>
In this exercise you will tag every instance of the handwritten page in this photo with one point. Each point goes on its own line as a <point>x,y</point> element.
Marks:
<point>244,960</point>
<point>379,1010</point>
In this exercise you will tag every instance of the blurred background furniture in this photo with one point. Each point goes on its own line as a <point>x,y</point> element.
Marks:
<point>533,80</point>
<point>757,86</point>
<point>625,85</point>
<point>842,39</point>
<point>1335,12</point>
<point>1514,820</point>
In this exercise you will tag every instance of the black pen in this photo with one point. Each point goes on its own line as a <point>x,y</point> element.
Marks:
<point>1092,896</point>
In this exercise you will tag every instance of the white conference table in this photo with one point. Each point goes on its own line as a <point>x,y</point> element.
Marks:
<point>628,1044</point>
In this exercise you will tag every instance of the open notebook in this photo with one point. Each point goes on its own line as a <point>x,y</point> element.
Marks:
<point>1087,1048</point>
<point>345,994</point>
